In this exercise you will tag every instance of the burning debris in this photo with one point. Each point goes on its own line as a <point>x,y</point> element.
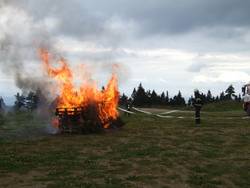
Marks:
<point>84,108</point>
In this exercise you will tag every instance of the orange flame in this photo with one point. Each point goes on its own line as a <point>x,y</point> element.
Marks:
<point>88,93</point>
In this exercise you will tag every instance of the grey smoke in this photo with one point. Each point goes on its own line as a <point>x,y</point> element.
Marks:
<point>28,25</point>
<point>20,37</point>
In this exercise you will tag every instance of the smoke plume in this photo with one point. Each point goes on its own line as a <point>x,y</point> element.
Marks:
<point>26,26</point>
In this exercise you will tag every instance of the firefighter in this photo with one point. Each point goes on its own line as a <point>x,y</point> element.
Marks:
<point>1,111</point>
<point>1,105</point>
<point>129,105</point>
<point>197,104</point>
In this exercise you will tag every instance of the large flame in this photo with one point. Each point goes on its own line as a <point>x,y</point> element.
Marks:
<point>106,100</point>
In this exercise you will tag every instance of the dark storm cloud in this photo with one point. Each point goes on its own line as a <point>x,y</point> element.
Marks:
<point>89,18</point>
<point>73,19</point>
<point>72,16</point>
<point>171,17</point>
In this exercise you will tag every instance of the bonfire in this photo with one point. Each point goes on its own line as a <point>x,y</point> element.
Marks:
<point>85,108</point>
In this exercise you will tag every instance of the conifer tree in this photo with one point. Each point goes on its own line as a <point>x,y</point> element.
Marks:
<point>222,96</point>
<point>230,92</point>
<point>162,99</point>
<point>154,99</point>
<point>209,97</point>
<point>123,100</point>
<point>167,98</point>
<point>139,96</point>
<point>20,101</point>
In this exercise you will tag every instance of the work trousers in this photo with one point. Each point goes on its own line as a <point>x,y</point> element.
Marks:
<point>197,116</point>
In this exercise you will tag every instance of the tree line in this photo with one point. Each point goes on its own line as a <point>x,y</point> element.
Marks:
<point>30,101</point>
<point>139,97</point>
<point>142,97</point>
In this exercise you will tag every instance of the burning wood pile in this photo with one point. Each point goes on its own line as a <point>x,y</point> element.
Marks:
<point>84,108</point>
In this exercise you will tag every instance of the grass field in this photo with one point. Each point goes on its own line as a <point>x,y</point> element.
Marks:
<point>147,152</point>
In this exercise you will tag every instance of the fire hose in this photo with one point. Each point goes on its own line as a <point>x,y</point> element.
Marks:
<point>162,115</point>
<point>126,111</point>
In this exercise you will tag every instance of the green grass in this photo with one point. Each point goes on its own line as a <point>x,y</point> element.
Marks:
<point>224,106</point>
<point>147,152</point>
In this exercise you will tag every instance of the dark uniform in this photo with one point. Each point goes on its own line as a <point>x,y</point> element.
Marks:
<point>1,104</point>
<point>197,103</point>
<point>1,111</point>
<point>129,104</point>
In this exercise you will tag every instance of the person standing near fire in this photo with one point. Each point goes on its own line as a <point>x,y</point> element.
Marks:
<point>1,105</point>
<point>1,111</point>
<point>197,104</point>
<point>129,106</point>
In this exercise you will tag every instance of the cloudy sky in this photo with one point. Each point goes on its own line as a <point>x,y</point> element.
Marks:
<point>164,44</point>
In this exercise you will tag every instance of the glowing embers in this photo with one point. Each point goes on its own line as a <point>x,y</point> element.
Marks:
<point>84,120</point>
